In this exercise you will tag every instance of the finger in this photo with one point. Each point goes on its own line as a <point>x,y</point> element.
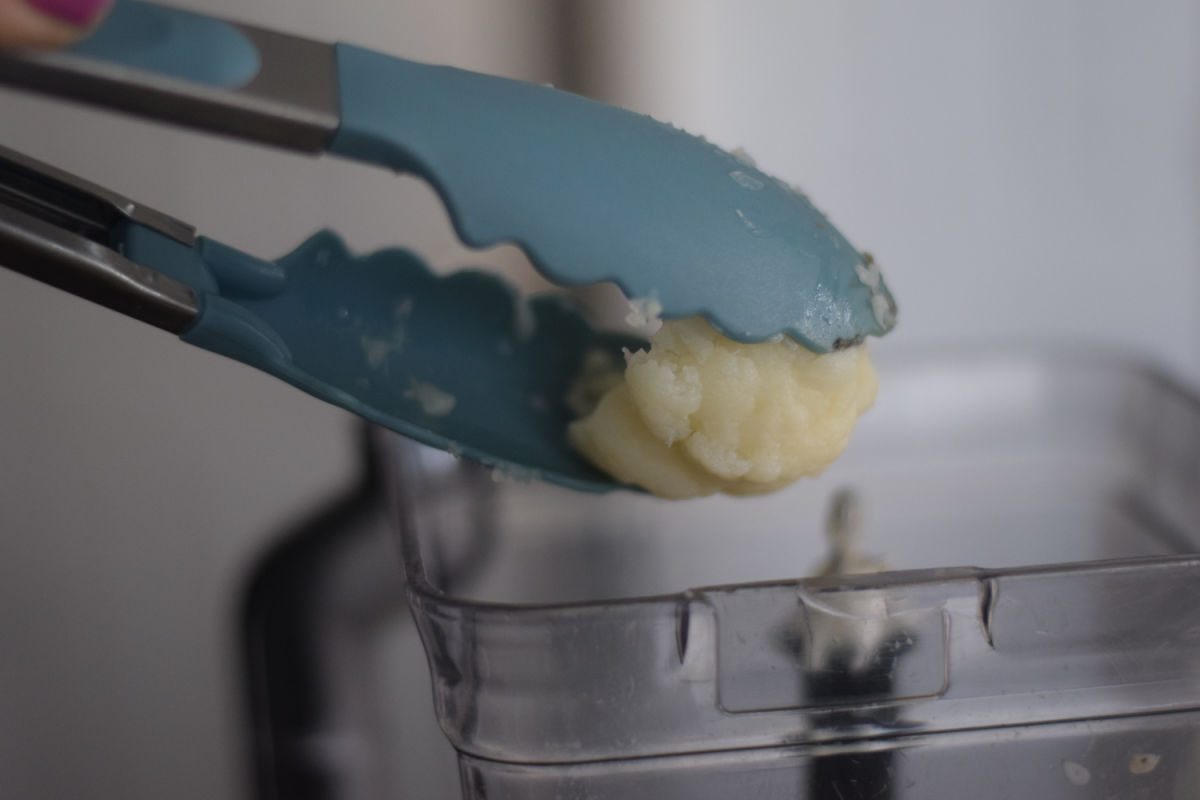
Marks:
<point>46,23</point>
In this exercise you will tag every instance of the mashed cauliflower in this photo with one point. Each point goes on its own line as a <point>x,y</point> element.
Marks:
<point>699,413</point>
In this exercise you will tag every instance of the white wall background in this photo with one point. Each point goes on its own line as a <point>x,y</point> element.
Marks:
<point>1023,171</point>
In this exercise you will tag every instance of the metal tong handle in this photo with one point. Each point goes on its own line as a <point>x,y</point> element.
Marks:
<point>63,231</point>
<point>197,71</point>
<point>172,66</point>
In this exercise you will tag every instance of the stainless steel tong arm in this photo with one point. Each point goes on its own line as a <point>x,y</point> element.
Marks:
<point>289,99</point>
<point>63,231</point>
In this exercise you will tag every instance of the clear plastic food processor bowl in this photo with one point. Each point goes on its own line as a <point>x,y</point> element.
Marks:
<point>1037,634</point>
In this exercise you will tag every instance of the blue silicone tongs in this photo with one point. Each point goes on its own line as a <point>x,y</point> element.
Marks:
<point>589,191</point>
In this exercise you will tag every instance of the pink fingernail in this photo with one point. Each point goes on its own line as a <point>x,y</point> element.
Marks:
<point>76,12</point>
